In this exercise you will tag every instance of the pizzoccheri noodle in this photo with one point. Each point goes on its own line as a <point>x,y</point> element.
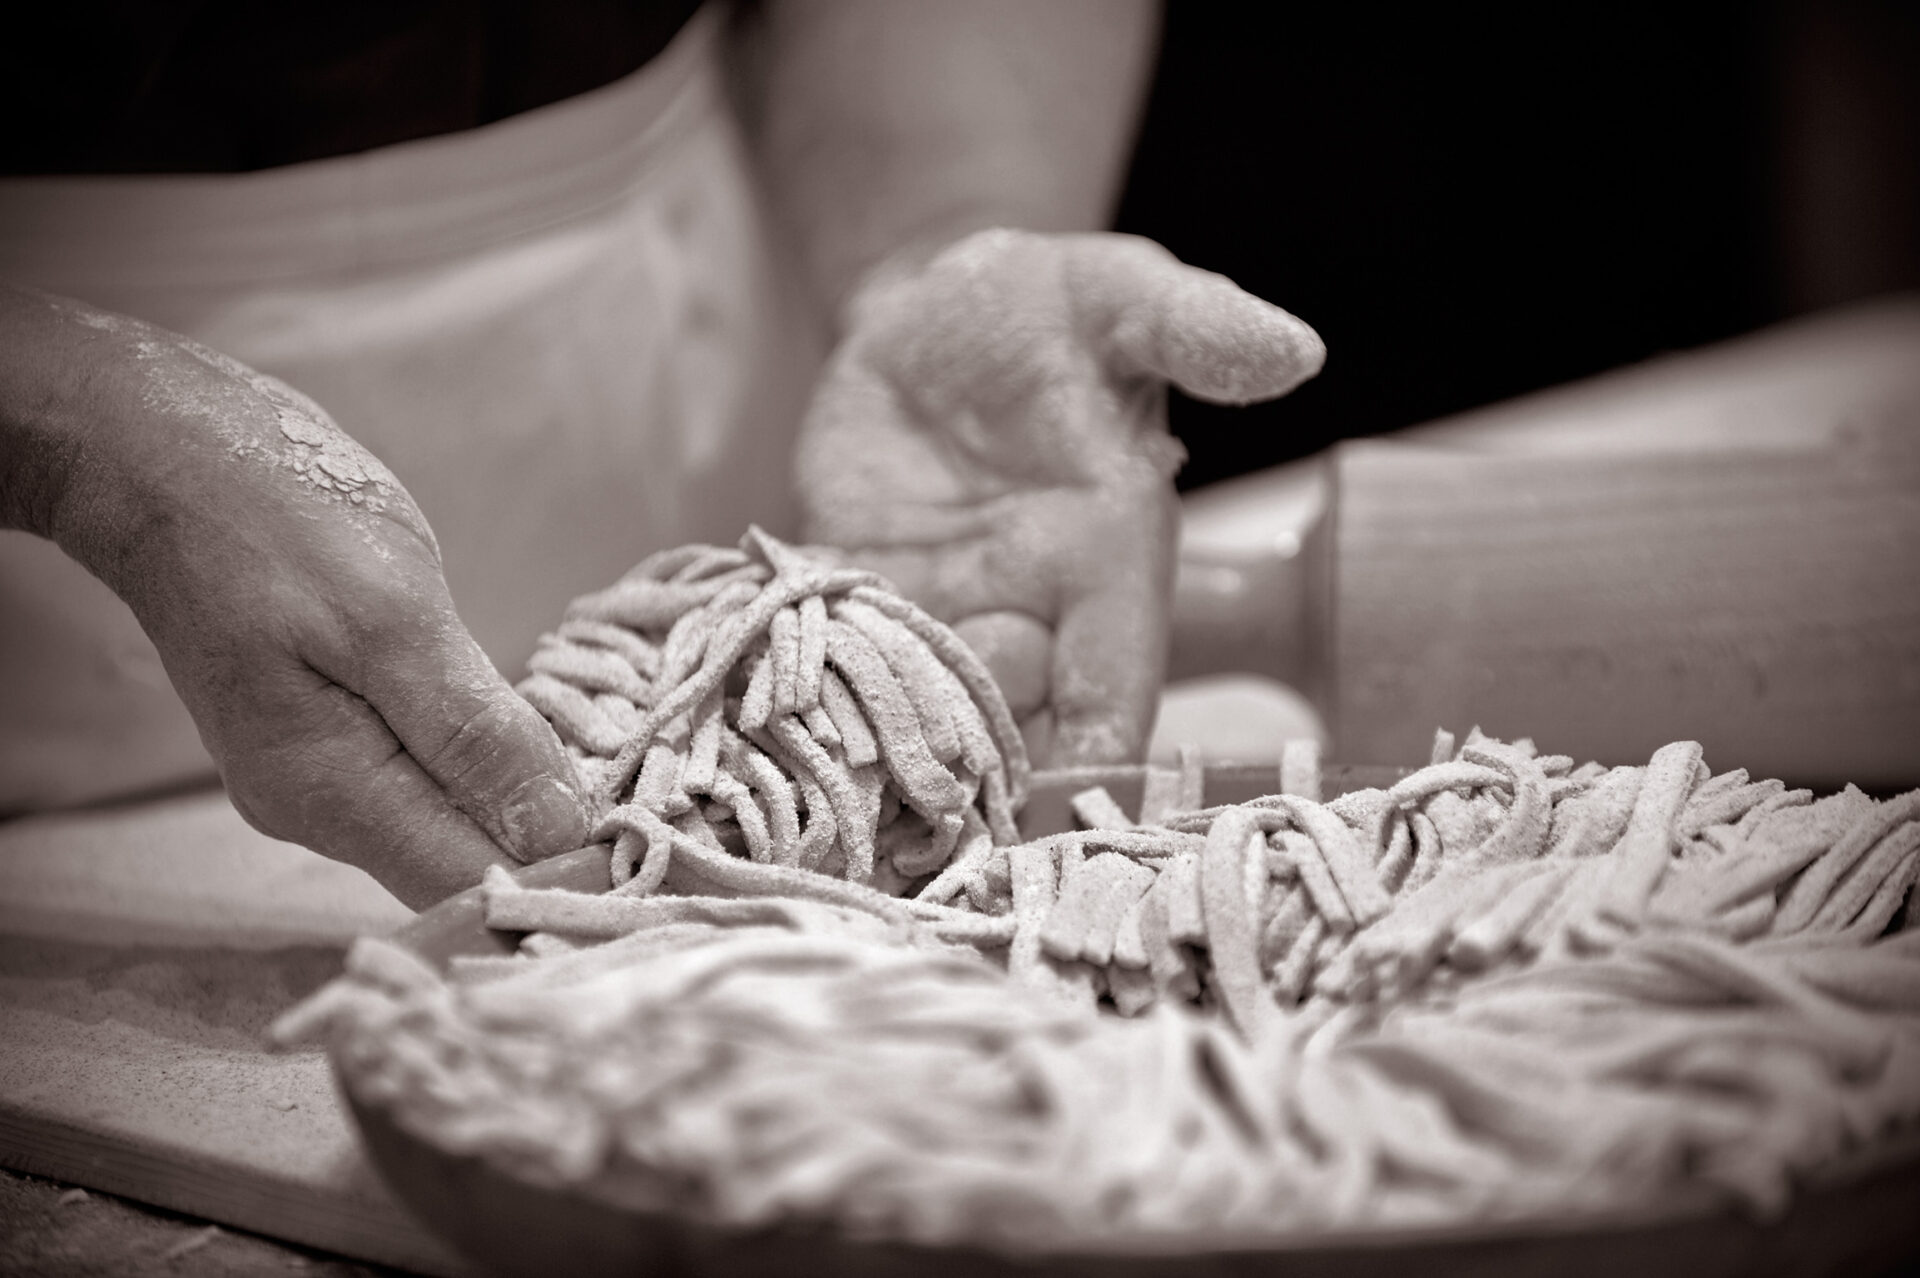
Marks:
<point>830,983</point>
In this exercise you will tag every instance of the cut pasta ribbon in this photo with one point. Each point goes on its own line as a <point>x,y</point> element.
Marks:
<point>830,990</point>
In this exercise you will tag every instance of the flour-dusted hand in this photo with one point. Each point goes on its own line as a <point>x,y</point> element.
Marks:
<point>991,434</point>
<point>293,590</point>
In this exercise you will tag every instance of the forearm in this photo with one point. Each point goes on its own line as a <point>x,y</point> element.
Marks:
<point>883,126</point>
<point>94,427</point>
<point>42,357</point>
<point>117,436</point>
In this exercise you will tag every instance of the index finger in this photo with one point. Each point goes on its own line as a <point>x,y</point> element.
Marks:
<point>1195,328</point>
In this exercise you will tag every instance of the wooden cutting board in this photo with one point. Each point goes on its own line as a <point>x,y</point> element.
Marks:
<point>143,951</point>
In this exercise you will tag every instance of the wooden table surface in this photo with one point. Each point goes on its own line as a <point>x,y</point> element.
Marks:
<point>143,951</point>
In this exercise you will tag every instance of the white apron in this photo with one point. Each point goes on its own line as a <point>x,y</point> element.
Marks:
<point>564,332</point>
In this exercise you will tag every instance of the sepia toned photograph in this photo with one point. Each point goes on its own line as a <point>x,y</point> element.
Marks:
<point>1048,638</point>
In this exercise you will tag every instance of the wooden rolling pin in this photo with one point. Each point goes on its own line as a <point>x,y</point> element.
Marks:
<point>1722,546</point>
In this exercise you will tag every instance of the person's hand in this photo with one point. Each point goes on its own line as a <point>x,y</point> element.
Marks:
<point>294,592</point>
<point>991,435</point>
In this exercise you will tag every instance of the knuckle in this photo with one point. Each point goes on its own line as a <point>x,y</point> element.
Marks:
<point>473,749</point>
<point>467,744</point>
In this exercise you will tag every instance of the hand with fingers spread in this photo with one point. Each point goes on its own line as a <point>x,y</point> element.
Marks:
<point>991,434</point>
<point>294,592</point>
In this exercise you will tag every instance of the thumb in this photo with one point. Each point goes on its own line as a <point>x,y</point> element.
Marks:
<point>493,755</point>
<point>1197,329</point>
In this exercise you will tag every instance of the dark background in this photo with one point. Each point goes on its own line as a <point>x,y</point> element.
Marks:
<point>1470,203</point>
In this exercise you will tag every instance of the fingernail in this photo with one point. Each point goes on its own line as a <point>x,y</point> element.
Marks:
<point>542,818</point>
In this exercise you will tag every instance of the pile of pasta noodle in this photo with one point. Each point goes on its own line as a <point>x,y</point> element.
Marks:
<point>1507,987</point>
<point>754,700</point>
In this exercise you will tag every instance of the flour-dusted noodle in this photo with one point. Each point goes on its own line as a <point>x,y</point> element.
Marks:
<point>1492,935</point>
<point>756,703</point>
<point>1160,794</point>
<point>1397,849</point>
<point>773,787</point>
<point>1013,772</point>
<point>1317,879</point>
<point>1185,923</point>
<point>936,695</point>
<point>1232,926</point>
<point>1646,849</point>
<point>1095,808</point>
<point>1804,900</point>
<point>923,781</point>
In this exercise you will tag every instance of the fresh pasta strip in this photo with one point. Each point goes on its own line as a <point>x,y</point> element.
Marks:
<point>1233,928</point>
<point>1646,849</point>
<point>1095,808</point>
<point>1160,795</point>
